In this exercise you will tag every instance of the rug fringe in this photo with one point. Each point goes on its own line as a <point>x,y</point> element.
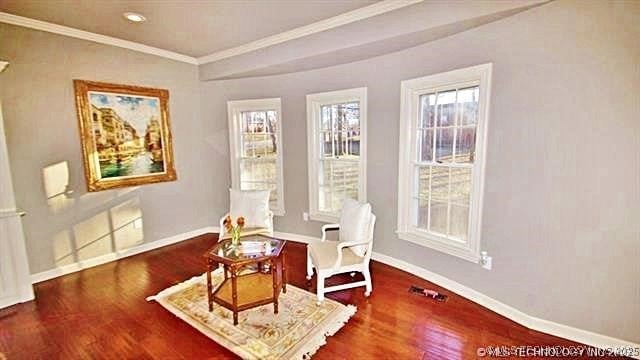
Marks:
<point>306,352</point>
<point>321,337</point>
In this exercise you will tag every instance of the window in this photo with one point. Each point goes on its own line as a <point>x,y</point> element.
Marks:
<point>255,139</point>
<point>336,124</point>
<point>443,127</point>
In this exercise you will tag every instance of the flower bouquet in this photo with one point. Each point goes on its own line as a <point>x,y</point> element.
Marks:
<point>232,229</point>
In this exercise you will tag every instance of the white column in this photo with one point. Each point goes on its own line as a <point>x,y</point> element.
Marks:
<point>15,280</point>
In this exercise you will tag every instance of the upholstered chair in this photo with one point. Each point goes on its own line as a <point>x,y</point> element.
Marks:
<point>350,254</point>
<point>253,205</point>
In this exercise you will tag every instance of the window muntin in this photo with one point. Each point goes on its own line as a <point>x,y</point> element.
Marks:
<point>257,160</point>
<point>441,167</point>
<point>258,163</point>
<point>443,172</point>
<point>339,162</point>
<point>336,122</point>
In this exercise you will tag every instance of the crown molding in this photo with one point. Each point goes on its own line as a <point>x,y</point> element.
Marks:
<point>86,35</point>
<point>319,26</point>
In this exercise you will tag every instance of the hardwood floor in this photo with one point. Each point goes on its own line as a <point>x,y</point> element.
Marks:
<point>101,313</point>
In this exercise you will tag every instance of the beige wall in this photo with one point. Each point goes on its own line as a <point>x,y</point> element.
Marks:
<point>562,181</point>
<point>42,131</point>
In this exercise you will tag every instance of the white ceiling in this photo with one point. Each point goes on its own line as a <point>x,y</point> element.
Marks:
<point>190,27</point>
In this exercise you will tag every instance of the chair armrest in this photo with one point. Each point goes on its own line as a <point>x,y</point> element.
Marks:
<point>221,230</point>
<point>344,244</point>
<point>328,227</point>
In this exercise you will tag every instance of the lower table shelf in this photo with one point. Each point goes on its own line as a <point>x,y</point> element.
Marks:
<point>252,289</point>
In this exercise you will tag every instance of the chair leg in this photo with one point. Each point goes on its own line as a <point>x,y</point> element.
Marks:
<point>309,267</point>
<point>320,288</point>
<point>367,278</point>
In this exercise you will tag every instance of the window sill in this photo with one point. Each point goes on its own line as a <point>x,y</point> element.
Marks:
<point>324,217</point>
<point>277,212</point>
<point>462,251</point>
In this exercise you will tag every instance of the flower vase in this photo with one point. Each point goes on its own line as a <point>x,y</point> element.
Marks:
<point>235,237</point>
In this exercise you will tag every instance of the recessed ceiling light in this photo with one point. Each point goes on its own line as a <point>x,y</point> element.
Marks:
<point>134,17</point>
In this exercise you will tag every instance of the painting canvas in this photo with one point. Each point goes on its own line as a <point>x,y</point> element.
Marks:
<point>125,134</point>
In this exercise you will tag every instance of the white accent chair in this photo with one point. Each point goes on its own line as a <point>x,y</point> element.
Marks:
<point>253,205</point>
<point>330,258</point>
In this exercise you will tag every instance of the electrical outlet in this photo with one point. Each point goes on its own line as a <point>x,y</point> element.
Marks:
<point>305,216</point>
<point>488,262</point>
<point>485,260</point>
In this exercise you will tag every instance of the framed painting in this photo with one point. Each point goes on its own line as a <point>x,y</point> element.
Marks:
<point>125,134</point>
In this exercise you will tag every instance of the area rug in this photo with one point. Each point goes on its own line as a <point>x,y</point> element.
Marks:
<point>296,332</point>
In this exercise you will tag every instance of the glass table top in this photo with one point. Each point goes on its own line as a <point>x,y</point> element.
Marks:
<point>250,248</point>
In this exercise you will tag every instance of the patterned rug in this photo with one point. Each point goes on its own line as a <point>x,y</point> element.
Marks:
<point>296,332</point>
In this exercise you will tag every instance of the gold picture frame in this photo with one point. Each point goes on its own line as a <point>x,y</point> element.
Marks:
<point>112,119</point>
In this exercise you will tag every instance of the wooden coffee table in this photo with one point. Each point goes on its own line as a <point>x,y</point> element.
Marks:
<point>242,290</point>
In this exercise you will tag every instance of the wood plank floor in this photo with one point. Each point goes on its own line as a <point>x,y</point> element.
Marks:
<point>101,313</point>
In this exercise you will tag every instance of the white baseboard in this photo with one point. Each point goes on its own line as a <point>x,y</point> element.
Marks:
<point>103,259</point>
<point>295,237</point>
<point>25,293</point>
<point>528,321</point>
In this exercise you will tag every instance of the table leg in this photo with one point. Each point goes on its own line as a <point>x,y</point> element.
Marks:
<point>209,285</point>
<point>284,272</point>
<point>274,274</point>
<point>234,294</point>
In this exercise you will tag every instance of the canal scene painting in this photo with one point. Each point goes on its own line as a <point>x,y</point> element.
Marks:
<point>125,133</point>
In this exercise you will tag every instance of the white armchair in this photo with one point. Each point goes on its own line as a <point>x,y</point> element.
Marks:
<point>330,258</point>
<point>254,206</point>
<point>247,230</point>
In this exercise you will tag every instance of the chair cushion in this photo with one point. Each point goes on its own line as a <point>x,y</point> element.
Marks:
<point>325,254</point>
<point>253,205</point>
<point>354,224</point>
<point>247,231</point>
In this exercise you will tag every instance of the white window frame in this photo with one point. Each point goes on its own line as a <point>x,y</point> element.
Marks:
<point>234,110</point>
<point>411,90</point>
<point>314,105</point>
